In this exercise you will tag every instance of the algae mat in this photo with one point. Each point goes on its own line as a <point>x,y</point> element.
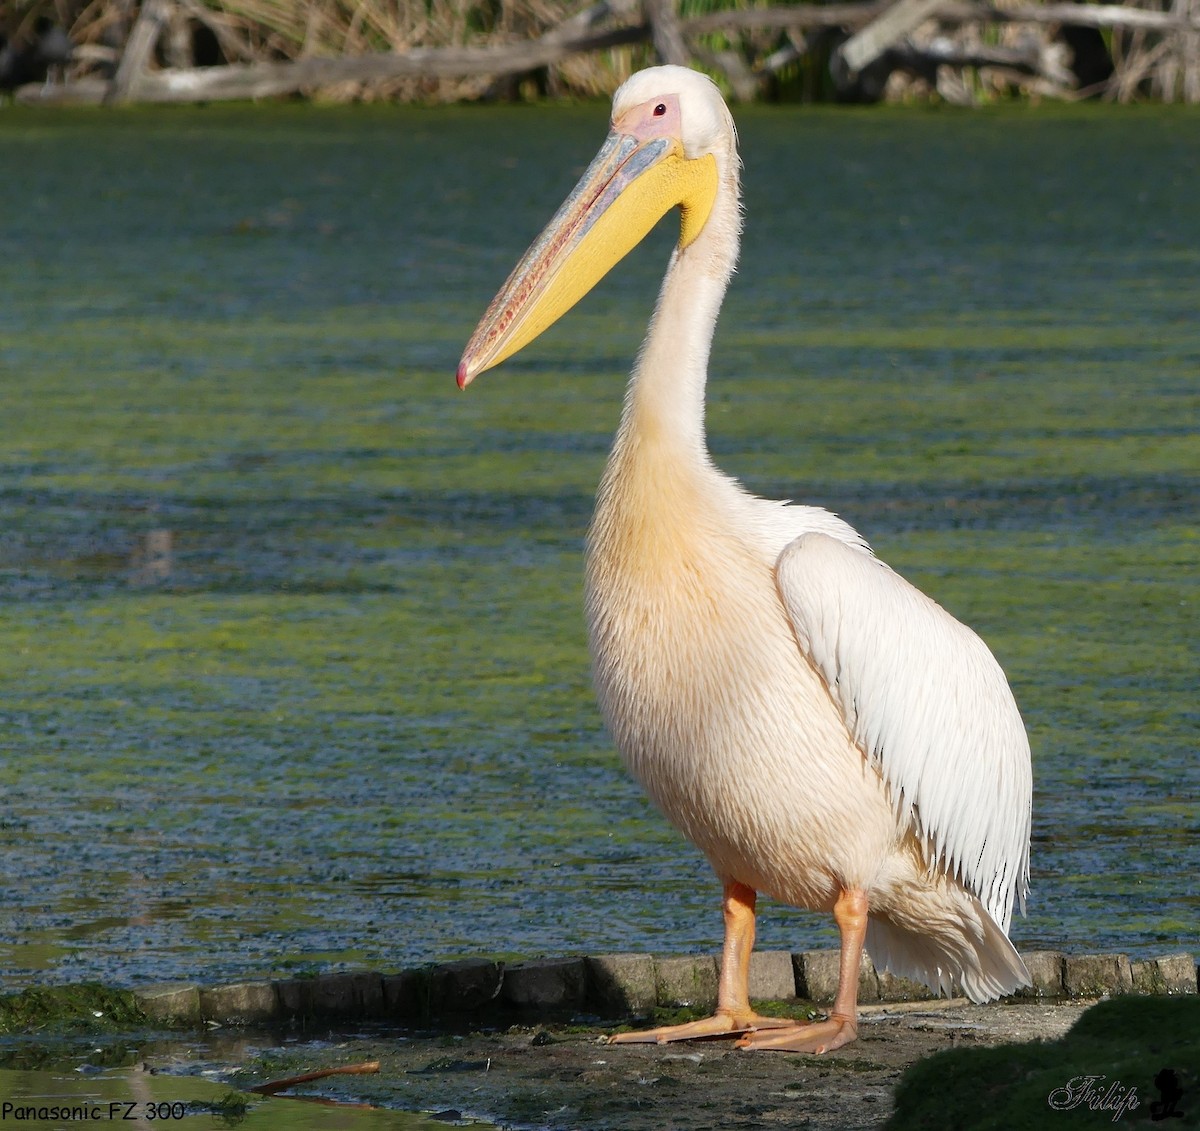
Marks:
<point>292,655</point>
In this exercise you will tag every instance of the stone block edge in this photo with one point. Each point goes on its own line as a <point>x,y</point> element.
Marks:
<point>609,985</point>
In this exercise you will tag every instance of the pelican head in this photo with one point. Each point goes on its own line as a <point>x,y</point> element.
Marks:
<point>672,141</point>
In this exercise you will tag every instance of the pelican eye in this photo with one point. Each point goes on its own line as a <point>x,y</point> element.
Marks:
<point>660,109</point>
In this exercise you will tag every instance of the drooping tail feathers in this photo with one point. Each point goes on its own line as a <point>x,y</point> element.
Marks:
<point>970,955</point>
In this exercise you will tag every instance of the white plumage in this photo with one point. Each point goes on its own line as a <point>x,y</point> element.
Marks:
<point>922,695</point>
<point>820,729</point>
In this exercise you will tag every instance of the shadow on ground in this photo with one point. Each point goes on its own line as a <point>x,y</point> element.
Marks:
<point>1129,1060</point>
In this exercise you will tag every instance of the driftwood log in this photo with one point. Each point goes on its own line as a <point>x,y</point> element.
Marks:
<point>875,35</point>
<point>948,11</point>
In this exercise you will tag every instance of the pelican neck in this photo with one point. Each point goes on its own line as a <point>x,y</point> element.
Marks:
<point>665,399</point>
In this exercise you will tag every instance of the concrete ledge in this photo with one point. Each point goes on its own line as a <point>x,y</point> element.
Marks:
<point>894,988</point>
<point>295,996</point>
<point>1094,975</point>
<point>240,1004</point>
<point>169,1001</point>
<point>772,976</point>
<point>551,983</point>
<point>358,994</point>
<point>465,986</point>
<point>817,976</point>
<point>406,996</point>
<point>1046,969</point>
<point>613,985</point>
<point>1173,974</point>
<point>621,983</point>
<point>686,981</point>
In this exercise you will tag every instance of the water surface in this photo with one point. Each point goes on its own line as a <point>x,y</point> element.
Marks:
<point>292,656</point>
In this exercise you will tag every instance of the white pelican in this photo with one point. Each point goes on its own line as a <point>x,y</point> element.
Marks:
<point>819,728</point>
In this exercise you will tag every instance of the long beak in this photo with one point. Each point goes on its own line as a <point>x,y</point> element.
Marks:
<point>630,185</point>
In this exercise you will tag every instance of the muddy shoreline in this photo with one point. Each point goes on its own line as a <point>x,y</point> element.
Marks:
<point>563,1077</point>
<point>919,1063</point>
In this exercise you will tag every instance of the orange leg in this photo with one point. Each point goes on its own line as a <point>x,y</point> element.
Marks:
<point>733,1015</point>
<point>850,911</point>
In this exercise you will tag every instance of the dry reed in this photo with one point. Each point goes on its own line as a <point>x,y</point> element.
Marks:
<point>1155,64</point>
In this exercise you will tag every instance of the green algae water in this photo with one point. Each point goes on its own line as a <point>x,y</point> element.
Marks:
<point>292,661</point>
<point>90,1094</point>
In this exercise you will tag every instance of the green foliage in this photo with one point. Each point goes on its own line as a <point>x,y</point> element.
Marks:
<point>1126,1042</point>
<point>229,1111</point>
<point>86,1008</point>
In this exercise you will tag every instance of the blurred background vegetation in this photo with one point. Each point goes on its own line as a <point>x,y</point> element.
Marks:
<point>962,52</point>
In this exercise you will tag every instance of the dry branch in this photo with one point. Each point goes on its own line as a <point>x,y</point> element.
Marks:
<point>266,80</point>
<point>273,1086</point>
<point>666,33</point>
<point>1153,49</point>
<point>801,17</point>
<point>888,28</point>
<point>146,29</point>
<point>1080,15</point>
<point>947,11</point>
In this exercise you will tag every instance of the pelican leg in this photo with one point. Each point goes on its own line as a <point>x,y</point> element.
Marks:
<point>841,1028</point>
<point>734,1015</point>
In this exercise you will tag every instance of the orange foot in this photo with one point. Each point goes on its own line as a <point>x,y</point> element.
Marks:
<point>724,1023</point>
<point>815,1037</point>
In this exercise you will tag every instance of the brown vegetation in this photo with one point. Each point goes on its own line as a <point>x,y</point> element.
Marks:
<point>436,50</point>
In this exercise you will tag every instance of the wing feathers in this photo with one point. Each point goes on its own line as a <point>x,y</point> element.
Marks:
<point>926,700</point>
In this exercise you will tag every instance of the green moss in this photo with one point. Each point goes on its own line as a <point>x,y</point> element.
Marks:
<point>86,1008</point>
<point>1125,1043</point>
<point>228,1111</point>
